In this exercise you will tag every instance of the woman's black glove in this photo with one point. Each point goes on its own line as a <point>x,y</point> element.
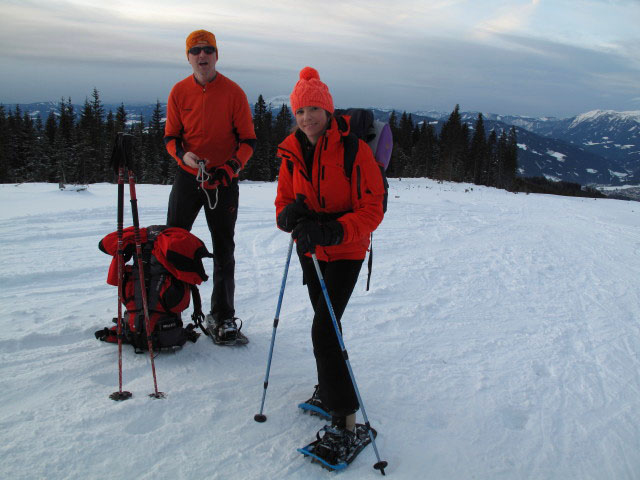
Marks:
<point>290,215</point>
<point>309,234</point>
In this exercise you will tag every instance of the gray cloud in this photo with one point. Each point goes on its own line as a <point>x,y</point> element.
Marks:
<point>401,59</point>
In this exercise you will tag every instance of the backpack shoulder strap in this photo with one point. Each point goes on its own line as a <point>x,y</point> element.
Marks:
<point>351,144</point>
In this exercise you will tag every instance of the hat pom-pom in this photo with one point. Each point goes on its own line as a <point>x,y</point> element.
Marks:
<point>307,73</point>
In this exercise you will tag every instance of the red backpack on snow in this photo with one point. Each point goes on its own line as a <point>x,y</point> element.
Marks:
<point>172,264</point>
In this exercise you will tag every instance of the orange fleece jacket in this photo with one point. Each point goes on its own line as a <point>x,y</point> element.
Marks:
<point>213,121</point>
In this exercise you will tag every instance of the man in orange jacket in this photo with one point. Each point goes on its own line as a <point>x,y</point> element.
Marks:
<point>209,131</point>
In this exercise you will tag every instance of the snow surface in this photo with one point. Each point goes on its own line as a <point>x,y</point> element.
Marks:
<point>500,340</point>
<point>559,156</point>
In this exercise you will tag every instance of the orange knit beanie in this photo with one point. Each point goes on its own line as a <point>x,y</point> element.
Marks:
<point>201,36</point>
<point>310,92</point>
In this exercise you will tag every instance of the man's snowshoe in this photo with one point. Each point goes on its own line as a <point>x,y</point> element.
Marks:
<point>336,448</point>
<point>225,332</point>
<point>314,406</point>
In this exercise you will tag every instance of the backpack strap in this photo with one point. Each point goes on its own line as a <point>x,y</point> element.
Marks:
<point>370,262</point>
<point>197,316</point>
<point>351,145</point>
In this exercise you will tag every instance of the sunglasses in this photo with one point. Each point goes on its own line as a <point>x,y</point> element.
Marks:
<point>207,49</point>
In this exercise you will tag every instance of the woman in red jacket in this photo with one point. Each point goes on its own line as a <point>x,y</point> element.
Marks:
<point>333,216</point>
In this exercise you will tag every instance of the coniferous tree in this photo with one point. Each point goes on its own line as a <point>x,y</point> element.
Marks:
<point>4,167</point>
<point>453,147</point>
<point>50,133</point>
<point>393,125</point>
<point>121,119</point>
<point>490,170</point>
<point>21,128</point>
<point>510,163</point>
<point>405,133</point>
<point>156,154</point>
<point>477,152</point>
<point>281,128</point>
<point>14,125</point>
<point>51,127</point>
<point>99,168</point>
<point>418,152</point>
<point>141,163</point>
<point>424,154</point>
<point>110,129</point>
<point>260,163</point>
<point>40,153</point>
<point>65,147</point>
<point>501,155</point>
<point>86,146</point>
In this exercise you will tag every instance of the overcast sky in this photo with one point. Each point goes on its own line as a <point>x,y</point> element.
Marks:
<point>528,57</point>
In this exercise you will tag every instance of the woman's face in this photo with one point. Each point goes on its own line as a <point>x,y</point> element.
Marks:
<point>312,121</point>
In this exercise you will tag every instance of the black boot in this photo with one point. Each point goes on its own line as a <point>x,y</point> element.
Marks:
<point>314,405</point>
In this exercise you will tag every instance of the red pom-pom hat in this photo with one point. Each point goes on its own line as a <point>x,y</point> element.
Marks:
<point>311,92</point>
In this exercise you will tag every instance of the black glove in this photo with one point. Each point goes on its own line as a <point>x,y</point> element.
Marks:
<point>290,215</point>
<point>309,234</point>
<point>225,172</point>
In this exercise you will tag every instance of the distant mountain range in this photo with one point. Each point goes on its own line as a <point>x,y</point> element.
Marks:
<point>601,147</point>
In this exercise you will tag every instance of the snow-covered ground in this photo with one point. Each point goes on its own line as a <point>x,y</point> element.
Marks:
<point>500,340</point>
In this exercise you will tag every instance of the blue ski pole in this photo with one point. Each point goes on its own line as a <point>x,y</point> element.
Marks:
<point>380,465</point>
<point>260,417</point>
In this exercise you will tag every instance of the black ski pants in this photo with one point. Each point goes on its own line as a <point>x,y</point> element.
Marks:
<point>185,201</point>
<point>335,388</point>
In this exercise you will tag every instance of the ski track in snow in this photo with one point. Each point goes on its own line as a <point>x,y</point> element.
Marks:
<point>499,340</point>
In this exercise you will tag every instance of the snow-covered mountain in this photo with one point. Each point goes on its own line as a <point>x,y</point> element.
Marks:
<point>608,133</point>
<point>614,136</point>
<point>541,155</point>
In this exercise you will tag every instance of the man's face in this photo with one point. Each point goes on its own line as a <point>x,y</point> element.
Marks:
<point>203,64</point>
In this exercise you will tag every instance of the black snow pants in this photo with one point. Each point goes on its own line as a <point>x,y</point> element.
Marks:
<point>335,388</point>
<point>185,201</point>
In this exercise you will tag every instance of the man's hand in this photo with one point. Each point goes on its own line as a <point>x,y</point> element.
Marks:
<point>225,172</point>
<point>190,159</point>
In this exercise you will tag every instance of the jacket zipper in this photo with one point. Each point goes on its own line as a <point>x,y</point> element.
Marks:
<point>322,146</point>
<point>204,92</point>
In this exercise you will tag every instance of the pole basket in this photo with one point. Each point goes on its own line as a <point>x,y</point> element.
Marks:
<point>120,396</point>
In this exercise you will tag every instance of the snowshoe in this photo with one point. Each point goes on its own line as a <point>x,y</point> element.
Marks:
<point>314,406</point>
<point>336,448</point>
<point>225,332</point>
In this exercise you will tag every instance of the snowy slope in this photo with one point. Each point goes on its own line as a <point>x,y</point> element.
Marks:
<point>500,340</point>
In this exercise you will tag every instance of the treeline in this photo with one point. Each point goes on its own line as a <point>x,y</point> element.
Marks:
<point>457,154</point>
<point>568,189</point>
<point>75,147</point>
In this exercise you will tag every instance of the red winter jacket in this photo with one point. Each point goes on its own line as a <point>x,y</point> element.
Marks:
<point>178,250</point>
<point>330,190</point>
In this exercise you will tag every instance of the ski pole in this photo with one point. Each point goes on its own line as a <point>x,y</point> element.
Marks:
<point>143,287</point>
<point>381,464</point>
<point>116,163</point>
<point>260,417</point>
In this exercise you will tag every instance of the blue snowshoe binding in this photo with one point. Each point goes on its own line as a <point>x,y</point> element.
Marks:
<point>335,448</point>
